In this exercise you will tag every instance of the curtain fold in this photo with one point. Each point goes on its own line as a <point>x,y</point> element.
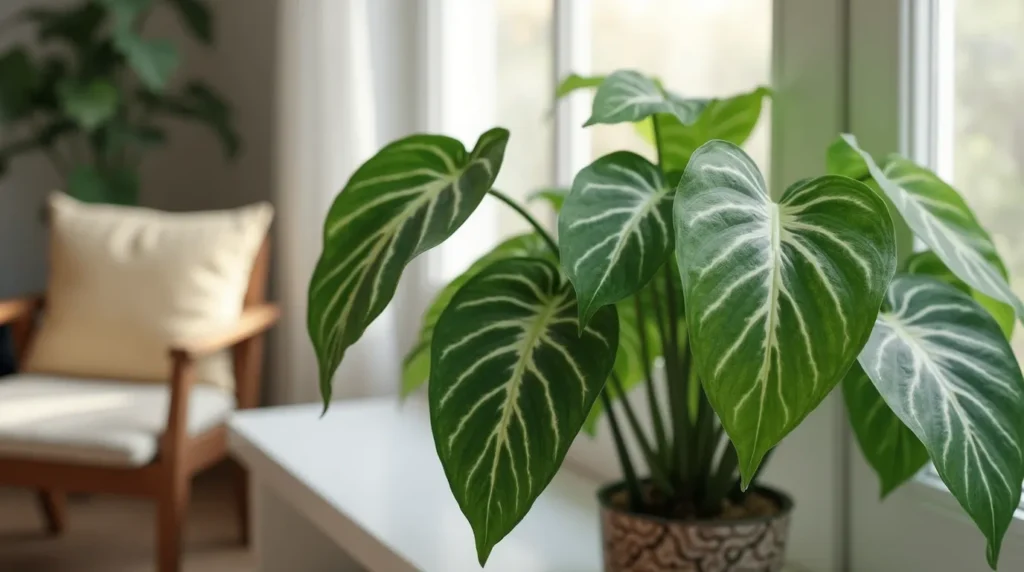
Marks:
<point>326,127</point>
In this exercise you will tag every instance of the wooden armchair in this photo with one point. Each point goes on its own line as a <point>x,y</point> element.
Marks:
<point>180,452</point>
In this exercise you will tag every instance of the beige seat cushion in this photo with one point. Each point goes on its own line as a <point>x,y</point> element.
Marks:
<point>127,282</point>
<point>95,422</point>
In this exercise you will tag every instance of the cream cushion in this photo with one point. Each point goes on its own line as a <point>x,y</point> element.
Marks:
<point>127,282</point>
<point>96,422</point>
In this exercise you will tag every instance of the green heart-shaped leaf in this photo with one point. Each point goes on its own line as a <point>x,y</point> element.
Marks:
<point>929,264</point>
<point>416,367</point>
<point>407,199</point>
<point>89,104</point>
<point>730,119</point>
<point>890,447</point>
<point>945,369</point>
<point>938,216</point>
<point>780,297</point>
<point>512,383</point>
<point>615,229</point>
<point>627,96</point>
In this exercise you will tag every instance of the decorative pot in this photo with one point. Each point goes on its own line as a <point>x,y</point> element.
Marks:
<point>645,543</point>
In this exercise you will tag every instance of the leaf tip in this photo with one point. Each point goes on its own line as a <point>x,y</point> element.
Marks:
<point>483,552</point>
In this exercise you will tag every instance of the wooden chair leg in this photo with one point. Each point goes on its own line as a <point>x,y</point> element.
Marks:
<point>54,505</point>
<point>241,483</point>
<point>172,508</point>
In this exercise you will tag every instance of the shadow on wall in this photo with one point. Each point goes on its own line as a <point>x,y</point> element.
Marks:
<point>191,172</point>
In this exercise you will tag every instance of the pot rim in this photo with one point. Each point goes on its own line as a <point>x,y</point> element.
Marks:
<point>785,502</point>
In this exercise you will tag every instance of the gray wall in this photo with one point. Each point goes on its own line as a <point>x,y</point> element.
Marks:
<point>190,173</point>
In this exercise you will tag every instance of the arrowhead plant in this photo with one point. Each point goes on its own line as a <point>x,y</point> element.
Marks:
<point>684,269</point>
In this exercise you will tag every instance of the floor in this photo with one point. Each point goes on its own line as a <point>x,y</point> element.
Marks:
<point>115,534</point>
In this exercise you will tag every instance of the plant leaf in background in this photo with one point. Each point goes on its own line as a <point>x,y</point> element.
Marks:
<point>199,102</point>
<point>945,369</point>
<point>197,18</point>
<point>77,25</point>
<point>615,229</point>
<point>18,80</point>
<point>890,447</point>
<point>89,104</point>
<point>927,263</point>
<point>554,197</point>
<point>939,217</point>
<point>776,293</point>
<point>730,119</point>
<point>126,11</point>
<point>416,367</point>
<point>574,82</point>
<point>408,198</point>
<point>513,380</point>
<point>627,96</point>
<point>115,186</point>
<point>153,60</point>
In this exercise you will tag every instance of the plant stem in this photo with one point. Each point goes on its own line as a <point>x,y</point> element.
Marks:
<point>652,396</point>
<point>658,474</point>
<point>529,218</point>
<point>632,484</point>
<point>657,142</point>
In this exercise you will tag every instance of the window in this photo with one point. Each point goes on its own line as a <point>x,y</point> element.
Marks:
<point>981,143</point>
<point>698,48</point>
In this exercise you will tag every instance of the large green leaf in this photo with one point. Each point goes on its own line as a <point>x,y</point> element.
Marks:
<point>615,229</point>
<point>627,96</point>
<point>513,380</point>
<point>944,368</point>
<point>929,264</point>
<point>890,447</point>
<point>18,80</point>
<point>407,199</point>
<point>416,368</point>
<point>730,119</point>
<point>154,61</point>
<point>780,297</point>
<point>939,216</point>
<point>89,104</point>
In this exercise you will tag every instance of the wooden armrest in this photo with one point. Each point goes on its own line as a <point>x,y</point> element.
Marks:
<point>15,308</point>
<point>253,321</point>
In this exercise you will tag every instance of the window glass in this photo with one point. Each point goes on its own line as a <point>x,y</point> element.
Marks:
<point>985,156</point>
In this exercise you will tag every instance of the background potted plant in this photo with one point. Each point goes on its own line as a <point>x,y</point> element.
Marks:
<point>93,94</point>
<point>757,307</point>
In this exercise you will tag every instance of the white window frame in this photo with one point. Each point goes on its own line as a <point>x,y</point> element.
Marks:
<point>896,97</point>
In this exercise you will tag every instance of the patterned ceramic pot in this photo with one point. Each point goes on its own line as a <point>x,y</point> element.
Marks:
<point>643,543</point>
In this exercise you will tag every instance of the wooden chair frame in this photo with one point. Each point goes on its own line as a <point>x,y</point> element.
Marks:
<point>180,456</point>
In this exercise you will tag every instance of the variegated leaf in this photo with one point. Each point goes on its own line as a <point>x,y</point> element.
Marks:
<point>615,229</point>
<point>927,263</point>
<point>730,119</point>
<point>890,447</point>
<point>939,216</point>
<point>627,96</point>
<point>416,368</point>
<point>944,368</point>
<point>512,382</point>
<point>408,198</point>
<point>780,297</point>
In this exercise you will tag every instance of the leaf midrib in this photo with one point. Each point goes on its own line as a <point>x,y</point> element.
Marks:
<point>531,336</point>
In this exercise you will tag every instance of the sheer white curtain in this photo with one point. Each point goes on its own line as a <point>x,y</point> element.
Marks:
<point>326,126</point>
